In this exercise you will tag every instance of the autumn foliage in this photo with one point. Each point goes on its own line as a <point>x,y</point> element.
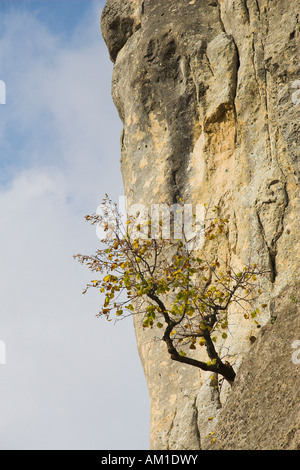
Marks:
<point>184,294</point>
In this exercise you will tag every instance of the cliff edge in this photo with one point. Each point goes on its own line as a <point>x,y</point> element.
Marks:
<point>208,93</point>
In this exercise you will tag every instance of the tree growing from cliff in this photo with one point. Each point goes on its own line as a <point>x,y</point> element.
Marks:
<point>181,292</point>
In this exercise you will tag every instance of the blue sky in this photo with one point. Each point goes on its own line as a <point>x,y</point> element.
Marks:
<point>60,16</point>
<point>71,380</point>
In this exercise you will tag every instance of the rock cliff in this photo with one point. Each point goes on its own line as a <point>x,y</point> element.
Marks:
<point>207,93</point>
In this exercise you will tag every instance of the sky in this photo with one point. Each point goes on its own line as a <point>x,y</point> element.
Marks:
<point>71,381</point>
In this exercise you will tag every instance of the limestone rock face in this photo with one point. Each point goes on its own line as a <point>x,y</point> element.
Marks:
<point>207,93</point>
<point>263,411</point>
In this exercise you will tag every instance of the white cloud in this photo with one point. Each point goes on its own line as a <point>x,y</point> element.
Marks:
<point>58,101</point>
<point>71,380</point>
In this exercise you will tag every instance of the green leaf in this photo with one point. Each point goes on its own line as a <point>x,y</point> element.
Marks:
<point>147,322</point>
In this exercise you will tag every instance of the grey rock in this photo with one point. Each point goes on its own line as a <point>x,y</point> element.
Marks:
<point>205,93</point>
<point>263,409</point>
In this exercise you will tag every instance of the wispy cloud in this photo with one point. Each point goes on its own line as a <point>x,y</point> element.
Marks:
<point>59,110</point>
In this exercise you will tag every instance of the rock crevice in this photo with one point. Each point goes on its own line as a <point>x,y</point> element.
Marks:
<point>205,93</point>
